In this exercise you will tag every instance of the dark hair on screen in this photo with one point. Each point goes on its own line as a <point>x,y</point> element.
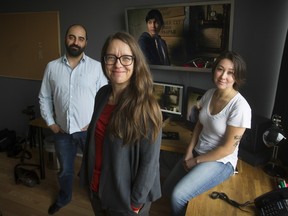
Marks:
<point>155,14</point>
<point>73,25</point>
<point>239,67</point>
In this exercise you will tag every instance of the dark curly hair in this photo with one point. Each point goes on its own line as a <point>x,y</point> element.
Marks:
<point>155,14</point>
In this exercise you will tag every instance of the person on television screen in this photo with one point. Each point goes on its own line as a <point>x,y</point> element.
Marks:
<point>66,102</point>
<point>194,113</point>
<point>212,154</point>
<point>121,159</point>
<point>152,45</point>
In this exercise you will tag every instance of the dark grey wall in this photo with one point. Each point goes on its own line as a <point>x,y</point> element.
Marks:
<point>259,33</point>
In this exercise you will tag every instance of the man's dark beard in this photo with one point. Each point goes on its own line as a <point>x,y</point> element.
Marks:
<point>74,50</point>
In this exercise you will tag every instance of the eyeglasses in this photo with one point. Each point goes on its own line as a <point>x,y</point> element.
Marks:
<point>125,60</point>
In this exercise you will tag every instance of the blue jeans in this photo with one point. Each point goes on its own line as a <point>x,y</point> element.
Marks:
<point>66,146</point>
<point>182,186</point>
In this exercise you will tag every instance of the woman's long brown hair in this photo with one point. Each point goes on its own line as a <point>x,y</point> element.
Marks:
<point>137,114</point>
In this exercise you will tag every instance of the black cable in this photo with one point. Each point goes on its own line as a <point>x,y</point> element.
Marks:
<point>223,196</point>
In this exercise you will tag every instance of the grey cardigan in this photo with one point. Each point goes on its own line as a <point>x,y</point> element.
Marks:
<point>130,174</point>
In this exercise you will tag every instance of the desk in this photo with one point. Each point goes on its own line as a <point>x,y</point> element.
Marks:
<point>39,124</point>
<point>180,145</point>
<point>249,183</point>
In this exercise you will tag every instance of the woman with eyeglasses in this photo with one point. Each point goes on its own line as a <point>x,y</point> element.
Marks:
<point>121,160</point>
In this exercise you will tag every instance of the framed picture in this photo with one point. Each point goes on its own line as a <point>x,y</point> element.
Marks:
<point>193,95</point>
<point>194,33</point>
<point>170,98</point>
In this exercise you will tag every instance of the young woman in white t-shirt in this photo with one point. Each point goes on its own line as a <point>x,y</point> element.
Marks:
<point>211,156</point>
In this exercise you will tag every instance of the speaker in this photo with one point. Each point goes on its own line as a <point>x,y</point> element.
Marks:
<point>252,148</point>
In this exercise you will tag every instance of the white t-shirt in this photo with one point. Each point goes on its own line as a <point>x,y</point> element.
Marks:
<point>236,113</point>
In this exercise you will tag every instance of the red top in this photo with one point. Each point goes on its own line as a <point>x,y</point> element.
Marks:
<point>101,125</point>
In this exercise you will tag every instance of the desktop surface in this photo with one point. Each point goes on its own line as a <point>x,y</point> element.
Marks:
<point>180,138</point>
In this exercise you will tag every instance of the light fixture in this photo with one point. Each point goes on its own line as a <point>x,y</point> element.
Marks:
<point>272,138</point>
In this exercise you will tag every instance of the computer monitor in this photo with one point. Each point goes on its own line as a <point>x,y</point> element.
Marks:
<point>170,98</point>
<point>193,95</point>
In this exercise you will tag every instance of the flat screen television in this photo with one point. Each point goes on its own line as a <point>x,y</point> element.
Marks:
<point>170,98</point>
<point>195,33</point>
<point>193,95</point>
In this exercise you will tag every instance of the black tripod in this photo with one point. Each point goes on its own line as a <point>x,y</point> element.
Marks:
<point>22,175</point>
<point>29,138</point>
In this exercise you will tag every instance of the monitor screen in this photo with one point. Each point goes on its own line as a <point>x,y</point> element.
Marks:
<point>193,95</point>
<point>169,97</point>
